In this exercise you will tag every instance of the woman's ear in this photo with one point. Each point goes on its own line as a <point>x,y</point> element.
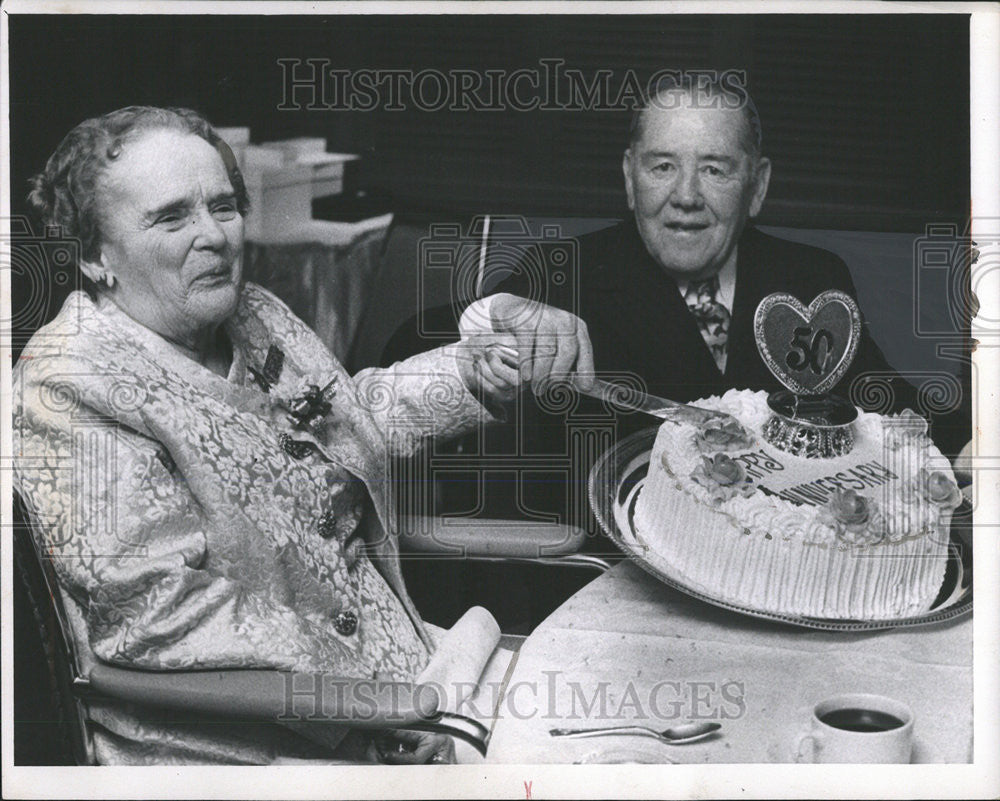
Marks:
<point>97,271</point>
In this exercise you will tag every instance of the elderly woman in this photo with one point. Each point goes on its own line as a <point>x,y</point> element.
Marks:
<point>208,480</point>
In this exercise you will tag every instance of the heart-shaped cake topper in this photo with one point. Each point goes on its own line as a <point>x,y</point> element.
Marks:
<point>808,349</point>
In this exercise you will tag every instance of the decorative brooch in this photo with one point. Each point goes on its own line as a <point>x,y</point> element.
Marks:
<point>269,375</point>
<point>311,406</point>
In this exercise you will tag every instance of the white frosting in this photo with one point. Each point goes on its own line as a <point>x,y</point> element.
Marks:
<point>802,557</point>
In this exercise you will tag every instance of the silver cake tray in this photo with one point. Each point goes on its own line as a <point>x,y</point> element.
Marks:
<point>617,479</point>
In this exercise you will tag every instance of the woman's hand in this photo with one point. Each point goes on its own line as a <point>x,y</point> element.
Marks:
<point>520,340</point>
<point>406,747</point>
<point>488,362</point>
<point>550,342</point>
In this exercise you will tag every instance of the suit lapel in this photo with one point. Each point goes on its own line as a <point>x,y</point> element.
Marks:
<point>755,279</point>
<point>643,325</point>
<point>742,344</point>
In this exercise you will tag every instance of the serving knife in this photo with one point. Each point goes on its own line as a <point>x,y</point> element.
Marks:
<point>630,399</point>
<point>634,400</point>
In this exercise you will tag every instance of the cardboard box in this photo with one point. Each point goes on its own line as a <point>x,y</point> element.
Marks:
<point>298,146</point>
<point>282,178</point>
<point>279,200</point>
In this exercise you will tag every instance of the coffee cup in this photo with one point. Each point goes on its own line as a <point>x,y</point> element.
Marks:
<point>857,728</point>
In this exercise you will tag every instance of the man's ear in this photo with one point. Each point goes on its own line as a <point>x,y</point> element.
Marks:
<point>762,177</point>
<point>627,172</point>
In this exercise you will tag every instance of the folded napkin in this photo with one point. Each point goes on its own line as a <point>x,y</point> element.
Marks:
<point>457,664</point>
<point>470,671</point>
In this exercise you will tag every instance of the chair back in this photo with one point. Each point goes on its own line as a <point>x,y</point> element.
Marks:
<point>51,724</point>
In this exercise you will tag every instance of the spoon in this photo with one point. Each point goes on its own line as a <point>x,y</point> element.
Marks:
<point>675,735</point>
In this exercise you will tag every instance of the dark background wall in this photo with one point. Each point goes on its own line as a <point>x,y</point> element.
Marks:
<point>865,117</point>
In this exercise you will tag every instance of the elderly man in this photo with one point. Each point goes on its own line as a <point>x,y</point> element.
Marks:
<point>669,295</point>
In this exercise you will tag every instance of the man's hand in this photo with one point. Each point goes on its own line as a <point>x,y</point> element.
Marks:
<point>406,747</point>
<point>550,342</point>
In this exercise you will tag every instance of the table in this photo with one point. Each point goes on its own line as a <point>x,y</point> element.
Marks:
<point>651,655</point>
<point>324,271</point>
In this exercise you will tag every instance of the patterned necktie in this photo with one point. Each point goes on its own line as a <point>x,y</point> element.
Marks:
<point>712,317</point>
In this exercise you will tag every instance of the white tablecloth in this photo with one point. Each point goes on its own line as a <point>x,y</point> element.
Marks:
<point>651,655</point>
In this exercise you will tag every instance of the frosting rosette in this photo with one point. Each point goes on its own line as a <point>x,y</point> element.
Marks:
<point>906,429</point>
<point>938,488</point>
<point>723,477</point>
<point>854,517</point>
<point>721,434</point>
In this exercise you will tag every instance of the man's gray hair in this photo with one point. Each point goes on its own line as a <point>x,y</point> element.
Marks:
<point>715,90</point>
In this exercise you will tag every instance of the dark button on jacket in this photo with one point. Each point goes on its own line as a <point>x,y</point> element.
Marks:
<point>297,449</point>
<point>327,525</point>
<point>346,623</point>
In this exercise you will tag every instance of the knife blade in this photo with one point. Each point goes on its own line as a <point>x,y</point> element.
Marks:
<point>634,400</point>
<point>630,399</point>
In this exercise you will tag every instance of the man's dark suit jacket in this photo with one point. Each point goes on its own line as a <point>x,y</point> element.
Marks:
<point>639,324</point>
